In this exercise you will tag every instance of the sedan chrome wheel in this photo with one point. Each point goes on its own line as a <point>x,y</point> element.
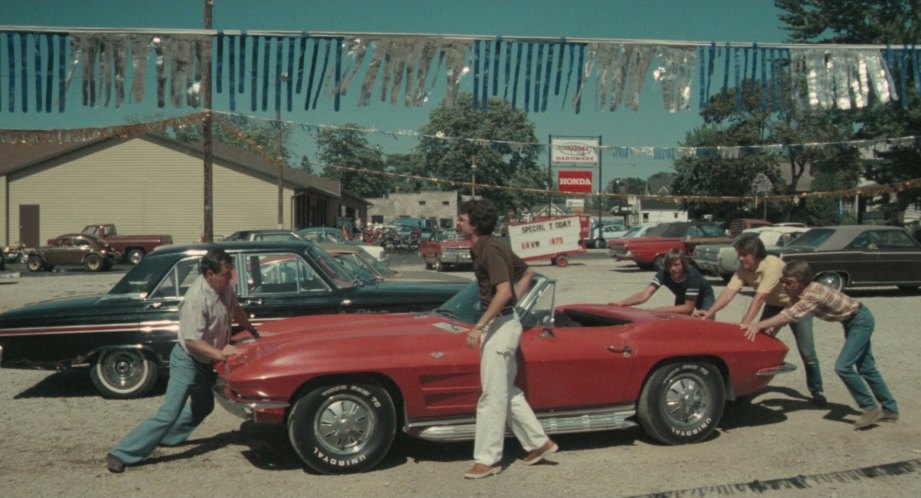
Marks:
<point>344,424</point>
<point>834,280</point>
<point>124,373</point>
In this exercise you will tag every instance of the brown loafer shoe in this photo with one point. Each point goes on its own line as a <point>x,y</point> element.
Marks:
<point>479,471</point>
<point>868,418</point>
<point>115,464</point>
<point>538,454</point>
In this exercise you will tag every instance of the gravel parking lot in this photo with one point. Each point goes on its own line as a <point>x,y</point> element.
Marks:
<point>56,430</point>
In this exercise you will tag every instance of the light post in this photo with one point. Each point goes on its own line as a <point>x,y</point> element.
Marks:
<point>281,164</point>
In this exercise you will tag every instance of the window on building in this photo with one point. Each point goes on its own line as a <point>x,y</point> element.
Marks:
<point>445,203</point>
<point>446,223</point>
<point>421,203</point>
<point>377,218</point>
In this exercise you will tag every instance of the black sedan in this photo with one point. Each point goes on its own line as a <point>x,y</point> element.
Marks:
<point>74,249</point>
<point>858,256</point>
<point>125,336</point>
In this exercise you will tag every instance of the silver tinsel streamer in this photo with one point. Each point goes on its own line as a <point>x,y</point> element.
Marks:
<point>676,74</point>
<point>842,79</point>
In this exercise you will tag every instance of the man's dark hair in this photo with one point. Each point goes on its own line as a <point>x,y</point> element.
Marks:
<point>800,270</point>
<point>212,260</point>
<point>482,214</point>
<point>751,244</point>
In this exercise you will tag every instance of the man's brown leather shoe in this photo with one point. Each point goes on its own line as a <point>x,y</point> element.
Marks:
<point>479,471</point>
<point>538,454</point>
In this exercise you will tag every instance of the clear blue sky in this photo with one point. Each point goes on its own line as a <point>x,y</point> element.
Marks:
<point>692,20</point>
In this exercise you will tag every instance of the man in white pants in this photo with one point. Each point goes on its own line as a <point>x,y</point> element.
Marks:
<point>496,267</point>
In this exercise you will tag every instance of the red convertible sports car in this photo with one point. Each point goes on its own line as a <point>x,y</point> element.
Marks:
<point>343,387</point>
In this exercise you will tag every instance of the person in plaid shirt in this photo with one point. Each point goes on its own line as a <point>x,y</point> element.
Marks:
<point>866,383</point>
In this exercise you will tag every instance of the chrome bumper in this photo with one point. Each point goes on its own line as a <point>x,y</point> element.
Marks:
<point>785,368</point>
<point>244,410</point>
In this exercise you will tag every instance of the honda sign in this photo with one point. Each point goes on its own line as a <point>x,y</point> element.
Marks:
<point>578,181</point>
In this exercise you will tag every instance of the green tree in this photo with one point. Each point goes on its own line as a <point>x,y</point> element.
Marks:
<point>454,135</point>
<point>410,165</point>
<point>306,165</point>
<point>345,150</point>
<point>883,22</point>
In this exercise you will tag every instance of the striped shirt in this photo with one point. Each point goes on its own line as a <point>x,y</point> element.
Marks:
<point>823,302</point>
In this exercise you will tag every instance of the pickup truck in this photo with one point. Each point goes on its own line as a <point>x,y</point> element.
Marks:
<point>132,247</point>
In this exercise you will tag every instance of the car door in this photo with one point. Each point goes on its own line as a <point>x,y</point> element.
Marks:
<point>898,257</point>
<point>274,285</point>
<point>575,366</point>
<point>568,365</point>
<point>859,258</point>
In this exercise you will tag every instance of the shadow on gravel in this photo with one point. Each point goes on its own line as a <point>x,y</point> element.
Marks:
<point>73,383</point>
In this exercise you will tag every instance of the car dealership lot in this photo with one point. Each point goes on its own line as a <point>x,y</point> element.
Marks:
<point>56,430</point>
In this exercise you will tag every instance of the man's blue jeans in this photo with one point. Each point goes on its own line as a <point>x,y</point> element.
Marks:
<point>802,333</point>
<point>858,353</point>
<point>187,402</point>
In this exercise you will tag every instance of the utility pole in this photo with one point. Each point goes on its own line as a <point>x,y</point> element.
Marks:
<point>208,228</point>
<point>281,163</point>
<point>473,182</point>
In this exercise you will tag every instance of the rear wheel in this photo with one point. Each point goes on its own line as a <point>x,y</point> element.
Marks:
<point>35,263</point>
<point>124,373</point>
<point>560,261</point>
<point>832,279</point>
<point>343,428</point>
<point>135,256</point>
<point>93,263</point>
<point>682,402</point>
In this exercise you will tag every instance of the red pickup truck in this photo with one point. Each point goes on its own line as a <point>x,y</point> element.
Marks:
<point>132,247</point>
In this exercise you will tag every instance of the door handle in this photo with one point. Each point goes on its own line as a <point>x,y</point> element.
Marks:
<point>626,350</point>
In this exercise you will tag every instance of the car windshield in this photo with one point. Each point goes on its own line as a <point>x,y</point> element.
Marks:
<point>465,306</point>
<point>351,263</point>
<point>376,265</point>
<point>339,275</point>
<point>813,238</point>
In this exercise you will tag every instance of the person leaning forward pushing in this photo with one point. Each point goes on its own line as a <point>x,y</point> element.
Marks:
<point>498,332</point>
<point>762,272</point>
<point>855,364</point>
<point>205,320</point>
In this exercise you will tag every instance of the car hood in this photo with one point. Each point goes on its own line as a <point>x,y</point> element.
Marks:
<point>397,289</point>
<point>455,244</point>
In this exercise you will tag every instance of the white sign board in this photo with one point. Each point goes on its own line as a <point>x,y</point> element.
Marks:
<point>545,238</point>
<point>574,150</point>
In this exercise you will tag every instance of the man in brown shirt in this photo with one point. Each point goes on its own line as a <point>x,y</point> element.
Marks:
<point>498,332</point>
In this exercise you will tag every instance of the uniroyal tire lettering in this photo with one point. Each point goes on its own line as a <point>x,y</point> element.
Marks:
<point>333,390</point>
<point>338,462</point>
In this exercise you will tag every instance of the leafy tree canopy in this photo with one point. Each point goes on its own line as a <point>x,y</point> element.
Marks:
<point>344,150</point>
<point>497,161</point>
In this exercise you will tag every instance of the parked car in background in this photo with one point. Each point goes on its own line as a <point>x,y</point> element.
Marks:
<point>648,252</point>
<point>125,336</point>
<point>633,232</point>
<point>849,256</point>
<point>131,247</point>
<point>334,235</point>
<point>261,235</point>
<point>722,261</point>
<point>357,259</point>
<point>603,233</point>
<point>739,225</point>
<point>445,249</point>
<point>73,249</point>
<point>584,367</point>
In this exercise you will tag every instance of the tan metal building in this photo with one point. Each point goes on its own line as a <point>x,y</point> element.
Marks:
<point>154,185</point>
